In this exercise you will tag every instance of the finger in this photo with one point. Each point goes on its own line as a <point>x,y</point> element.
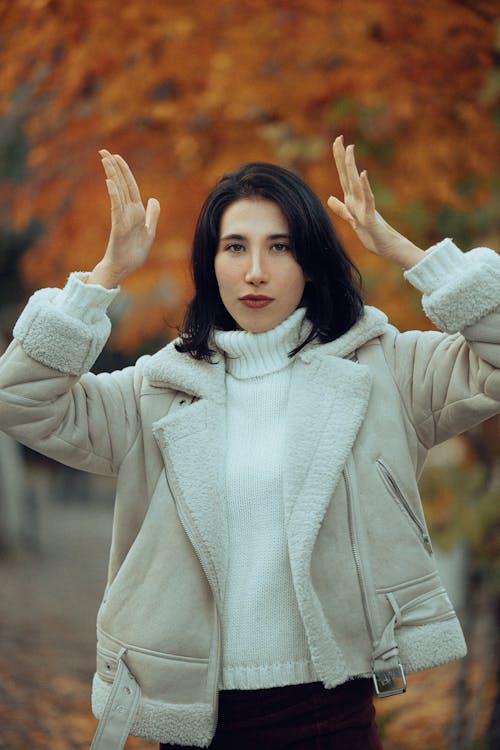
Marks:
<point>339,156</point>
<point>352,170</point>
<point>112,174</point>
<point>126,172</point>
<point>339,209</point>
<point>107,163</point>
<point>109,168</point>
<point>113,197</point>
<point>152,215</point>
<point>368,196</point>
<point>121,179</point>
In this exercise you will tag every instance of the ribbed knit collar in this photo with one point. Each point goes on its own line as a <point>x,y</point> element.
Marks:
<point>250,355</point>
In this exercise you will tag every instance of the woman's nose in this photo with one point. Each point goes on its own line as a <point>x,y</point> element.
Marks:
<point>256,272</point>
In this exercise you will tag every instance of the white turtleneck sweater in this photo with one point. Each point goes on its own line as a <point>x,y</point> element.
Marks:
<point>264,641</point>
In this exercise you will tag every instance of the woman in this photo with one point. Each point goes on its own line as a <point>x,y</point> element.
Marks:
<point>270,565</point>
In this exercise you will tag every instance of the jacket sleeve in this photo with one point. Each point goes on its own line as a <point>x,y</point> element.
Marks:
<point>450,379</point>
<point>48,399</point>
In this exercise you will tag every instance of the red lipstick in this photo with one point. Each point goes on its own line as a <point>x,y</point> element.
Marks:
<point>256,300</point>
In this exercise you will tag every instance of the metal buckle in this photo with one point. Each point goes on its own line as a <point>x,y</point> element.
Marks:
<point>390,682</point>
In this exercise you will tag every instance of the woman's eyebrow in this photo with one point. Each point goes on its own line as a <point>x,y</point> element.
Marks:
<point>232,237</point>
<point>279,236</point>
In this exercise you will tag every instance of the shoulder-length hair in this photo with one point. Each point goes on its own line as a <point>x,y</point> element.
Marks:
<point>332,295</point>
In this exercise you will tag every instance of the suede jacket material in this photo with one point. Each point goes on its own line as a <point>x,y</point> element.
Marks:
<point>363,412</point>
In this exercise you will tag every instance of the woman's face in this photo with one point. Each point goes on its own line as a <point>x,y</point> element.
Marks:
<point>260,282</point>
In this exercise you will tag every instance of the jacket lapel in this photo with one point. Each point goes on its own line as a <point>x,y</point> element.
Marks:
<point>191,438</point>
<point>168,368</point>
<point>330,397</point>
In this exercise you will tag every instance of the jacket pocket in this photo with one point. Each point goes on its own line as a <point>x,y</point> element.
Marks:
<point>396,492</point>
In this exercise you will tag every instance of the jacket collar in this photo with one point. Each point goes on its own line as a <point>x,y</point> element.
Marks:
<point>170,368</point>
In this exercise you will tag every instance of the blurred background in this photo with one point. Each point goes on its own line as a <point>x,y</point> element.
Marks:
<point>187,91</point>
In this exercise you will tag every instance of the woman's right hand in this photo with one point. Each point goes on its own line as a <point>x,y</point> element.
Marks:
<point>133,227</point>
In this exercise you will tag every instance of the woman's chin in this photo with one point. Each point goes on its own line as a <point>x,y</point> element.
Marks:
<point>257,326</point>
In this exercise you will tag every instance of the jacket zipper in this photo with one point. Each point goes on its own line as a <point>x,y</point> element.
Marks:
<point>386,682</point>
<point>355,548</point>
<point>401,499</point>
<point>193,538</point>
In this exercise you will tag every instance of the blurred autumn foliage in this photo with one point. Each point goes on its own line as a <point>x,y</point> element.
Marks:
<point>189,90</point>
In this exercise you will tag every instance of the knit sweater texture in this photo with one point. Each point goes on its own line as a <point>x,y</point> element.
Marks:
<point>264,641</point>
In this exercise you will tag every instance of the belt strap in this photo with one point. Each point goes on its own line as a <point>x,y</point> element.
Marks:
<point>388,673</point>
<point>120,710</point>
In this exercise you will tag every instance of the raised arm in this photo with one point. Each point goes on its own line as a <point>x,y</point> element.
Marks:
<point>358,209</point>
<point>448,381</point>
<point>48,399</point>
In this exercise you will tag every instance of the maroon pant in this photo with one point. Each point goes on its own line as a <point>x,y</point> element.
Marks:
<point>299,717</point>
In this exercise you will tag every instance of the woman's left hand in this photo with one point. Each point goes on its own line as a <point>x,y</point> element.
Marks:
<point>359,211</point>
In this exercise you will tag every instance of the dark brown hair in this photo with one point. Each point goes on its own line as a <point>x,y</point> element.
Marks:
<point>332,295</point>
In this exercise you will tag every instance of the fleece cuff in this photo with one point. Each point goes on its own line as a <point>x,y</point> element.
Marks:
<point>65,329</point>
<point>458,288</point>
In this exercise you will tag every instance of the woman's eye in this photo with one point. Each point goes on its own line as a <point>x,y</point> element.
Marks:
<point>280,247</point>
<point>235,247</point>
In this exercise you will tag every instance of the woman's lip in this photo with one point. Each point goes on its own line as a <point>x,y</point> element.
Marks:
<point>256,301</point>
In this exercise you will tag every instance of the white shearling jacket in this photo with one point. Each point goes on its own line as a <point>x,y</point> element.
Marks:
<point>363,412</point>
